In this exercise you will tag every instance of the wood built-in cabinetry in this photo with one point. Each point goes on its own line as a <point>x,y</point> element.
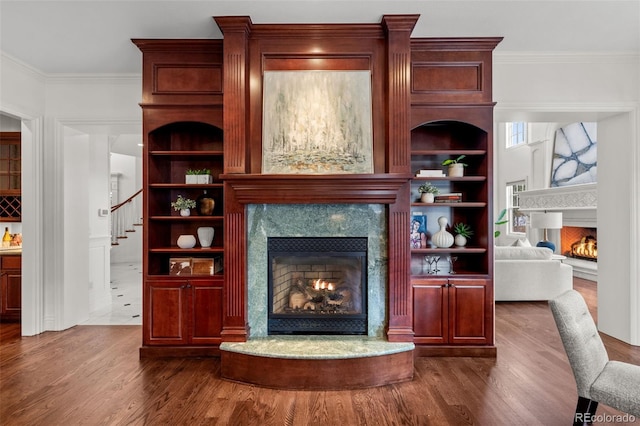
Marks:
<point>10,177</point>
<point>442,108</point>
<point>10,287</point>
<point>452,115</point>
<point>183,129</point>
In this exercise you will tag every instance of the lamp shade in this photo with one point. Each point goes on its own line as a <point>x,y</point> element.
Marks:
<point>550,220</point>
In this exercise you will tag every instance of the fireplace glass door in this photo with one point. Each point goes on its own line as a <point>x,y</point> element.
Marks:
<point>317,286</point>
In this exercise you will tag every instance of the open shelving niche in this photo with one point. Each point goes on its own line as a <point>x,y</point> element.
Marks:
<point>172,149</point>
<point>432,143</point>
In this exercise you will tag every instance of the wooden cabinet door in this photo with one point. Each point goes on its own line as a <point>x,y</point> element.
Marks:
<point>430,311</point>
<point>12,300</point>
<point>11,295</point>
<point>206,313</point>
<point>166,313</point>
<point>470,311</point>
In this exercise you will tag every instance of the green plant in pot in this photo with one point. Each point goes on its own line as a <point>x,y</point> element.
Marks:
<point>198,176</point>
<point>183,205</point>
<point>456,166</point>
<point>427,192</point>
<point>463,233</point>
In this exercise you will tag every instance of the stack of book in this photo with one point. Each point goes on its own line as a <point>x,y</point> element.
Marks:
<point>429,173</point>
<point>452,197</point>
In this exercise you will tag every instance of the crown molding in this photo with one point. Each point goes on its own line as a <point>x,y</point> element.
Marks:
<point>68,77</point>
<point>23,66</point>
<point>512,57</point>
<point>94,78</point>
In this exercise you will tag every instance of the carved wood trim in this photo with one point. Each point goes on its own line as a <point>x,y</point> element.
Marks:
<point>398,29</point>
<point>311,189</point>
<point>236,32</point>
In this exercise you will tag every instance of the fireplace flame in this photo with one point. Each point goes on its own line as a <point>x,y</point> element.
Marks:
<point>587,247</point>
<point>323,285</point>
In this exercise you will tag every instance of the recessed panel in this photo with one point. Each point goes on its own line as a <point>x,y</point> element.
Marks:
<point>187,79</point>
<point>446,77</point>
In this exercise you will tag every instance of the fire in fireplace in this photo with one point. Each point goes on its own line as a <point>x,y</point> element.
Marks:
<point>317,285</point>
<point>581,243</point>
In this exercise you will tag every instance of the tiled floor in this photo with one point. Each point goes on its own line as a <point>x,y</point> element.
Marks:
<point>126,293</point>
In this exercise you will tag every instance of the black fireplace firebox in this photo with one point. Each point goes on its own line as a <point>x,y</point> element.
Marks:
<point>317,285</point>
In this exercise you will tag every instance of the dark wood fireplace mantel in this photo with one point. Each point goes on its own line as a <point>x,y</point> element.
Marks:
<point>310,189</point>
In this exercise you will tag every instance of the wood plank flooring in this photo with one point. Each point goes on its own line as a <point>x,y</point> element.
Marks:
<point>92,375</point>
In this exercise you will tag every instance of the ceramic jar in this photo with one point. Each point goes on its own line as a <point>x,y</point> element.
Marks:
<point>186,241</point>
<point>427,197</point>
<point>205,236</point>
<point>442,238</point>
<point>460,240</point>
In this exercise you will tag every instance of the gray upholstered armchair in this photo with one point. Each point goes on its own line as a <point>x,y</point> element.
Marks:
<point>614,383</point>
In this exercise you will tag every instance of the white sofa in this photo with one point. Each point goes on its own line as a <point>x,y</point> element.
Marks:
<point>529,273</point>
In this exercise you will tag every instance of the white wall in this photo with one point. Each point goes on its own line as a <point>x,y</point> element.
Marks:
<point>99,225</point>
<point>618,251</point>
<point>75,233</point>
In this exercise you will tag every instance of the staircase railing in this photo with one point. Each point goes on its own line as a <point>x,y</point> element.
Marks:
<point>125,216</point>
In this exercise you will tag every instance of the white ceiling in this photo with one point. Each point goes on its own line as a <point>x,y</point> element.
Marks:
<point>94,36</point>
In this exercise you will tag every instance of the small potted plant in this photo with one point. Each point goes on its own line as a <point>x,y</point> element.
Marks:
<point>198,176</point>
<point>183,205</point>
<point>456,167</point>
<point>204,176</point>
<point>463,232</point>
<point>427,192</point>
<point>191,176</point>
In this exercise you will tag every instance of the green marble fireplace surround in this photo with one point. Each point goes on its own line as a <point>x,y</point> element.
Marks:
<point>316,220</point>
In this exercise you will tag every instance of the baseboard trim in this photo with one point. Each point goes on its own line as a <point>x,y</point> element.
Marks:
<point>456,351</point>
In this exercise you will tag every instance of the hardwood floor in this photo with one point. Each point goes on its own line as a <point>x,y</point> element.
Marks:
<point>92,375</point>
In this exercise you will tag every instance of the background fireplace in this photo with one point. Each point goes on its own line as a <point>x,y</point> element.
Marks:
<point>317,285</point>
<point>580,242</point>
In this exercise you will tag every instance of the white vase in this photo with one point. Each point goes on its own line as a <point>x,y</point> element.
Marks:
<point>460,240</point>
<point>186,241</point>
<point>427,197</point>
<point>442,238</point>
<point>456,170</point>
<point>185,212</point>
<point>205,236</point>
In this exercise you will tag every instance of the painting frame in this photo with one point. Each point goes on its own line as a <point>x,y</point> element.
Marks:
<point>317,122</point>
<point>574,160</point>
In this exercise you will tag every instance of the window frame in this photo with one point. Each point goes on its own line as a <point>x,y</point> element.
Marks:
<point>522,133</point>
<point>512,191</point>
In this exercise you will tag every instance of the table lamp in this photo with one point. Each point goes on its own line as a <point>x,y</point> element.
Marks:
<point>547,220</point>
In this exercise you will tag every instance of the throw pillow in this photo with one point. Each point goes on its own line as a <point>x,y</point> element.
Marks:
<point>521,242</point>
